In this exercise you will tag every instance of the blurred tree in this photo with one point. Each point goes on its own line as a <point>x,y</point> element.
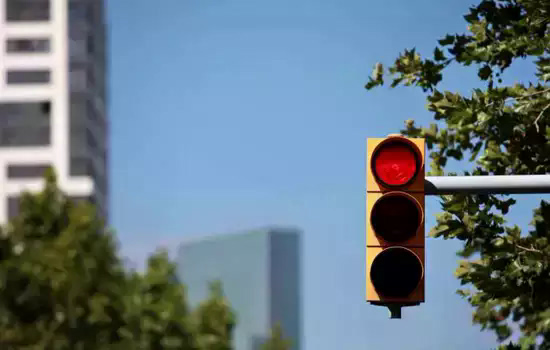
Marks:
<point>61,282</point>
<point>62,286</point>
<point>277,341</point>
<point>156,312</point>
<point>214,321</point>
<point>503,129</point>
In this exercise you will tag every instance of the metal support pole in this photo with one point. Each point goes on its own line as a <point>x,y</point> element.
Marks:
<point>491,184</point>
<point>395,311</point>
<point>394,308</point>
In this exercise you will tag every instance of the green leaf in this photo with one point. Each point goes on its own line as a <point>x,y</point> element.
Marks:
<point>438,55</point>
<point>438,230</point>
<point>485,72</point>
<point>498,242</point>
<point>475,151</point>
<point>449,39</point>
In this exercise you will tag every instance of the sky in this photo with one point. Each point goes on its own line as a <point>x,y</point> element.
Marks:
<point>228,115</point>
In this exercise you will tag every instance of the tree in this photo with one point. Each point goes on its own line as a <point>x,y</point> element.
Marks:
<point>156,313</point>
<point>63,286</point>
<point>61,282</point>
<point>214,321</point>
<point>276,340</point>
<point>501,129</point>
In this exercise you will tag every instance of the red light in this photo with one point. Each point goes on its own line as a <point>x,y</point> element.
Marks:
<point>395,164</point>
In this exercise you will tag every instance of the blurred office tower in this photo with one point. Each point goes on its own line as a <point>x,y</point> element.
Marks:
<point>260,274</point>
<point>53,99</point>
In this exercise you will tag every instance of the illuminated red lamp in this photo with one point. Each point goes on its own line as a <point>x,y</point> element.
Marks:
<point>396,162</point>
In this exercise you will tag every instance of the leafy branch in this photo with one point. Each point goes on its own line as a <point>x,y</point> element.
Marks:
<point>503,131</point>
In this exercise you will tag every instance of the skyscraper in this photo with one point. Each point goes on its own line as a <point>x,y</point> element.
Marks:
<point>53,99</point>
<point>260,273</point>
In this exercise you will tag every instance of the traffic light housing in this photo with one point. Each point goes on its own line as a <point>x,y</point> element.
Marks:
<point>395,221</point>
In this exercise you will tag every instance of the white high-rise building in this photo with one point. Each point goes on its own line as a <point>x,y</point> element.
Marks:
<point>53,99</point>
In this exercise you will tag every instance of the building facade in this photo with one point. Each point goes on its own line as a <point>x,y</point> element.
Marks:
<point>260,273</point>
<point>53,99</point>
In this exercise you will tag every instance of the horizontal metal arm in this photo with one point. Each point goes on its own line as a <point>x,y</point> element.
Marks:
<point>490,184</point>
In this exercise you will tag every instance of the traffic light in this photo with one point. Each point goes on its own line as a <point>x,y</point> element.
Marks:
<point>395,222</point>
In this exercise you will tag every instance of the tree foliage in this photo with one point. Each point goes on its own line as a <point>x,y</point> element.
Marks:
<point>214,321</point>
<point>277,340</point>
<point>501,129</point>
<point>62,286</point>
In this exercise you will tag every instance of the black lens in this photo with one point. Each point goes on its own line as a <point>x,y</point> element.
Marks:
<point>395,218</point>
<point>396,272</point>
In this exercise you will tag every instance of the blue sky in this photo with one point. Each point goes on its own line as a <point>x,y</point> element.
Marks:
<point>228,115</point>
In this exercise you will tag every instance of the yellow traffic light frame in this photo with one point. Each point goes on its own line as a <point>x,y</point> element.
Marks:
<point>376,244</point>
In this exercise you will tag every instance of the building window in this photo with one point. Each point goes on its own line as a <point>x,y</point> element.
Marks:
<point>92,114</point>
<point>92,142</point>
<point>90,46</point>
<point>28,76</point>
<point>18,137</point>
<point>25,124</point>
<point>27,10</point>
<point>90,74</point>
<point>81,167</point>
<point>27,171</point>
<point>77,50</point>
<point>13,207</point>
<point>78,80</point>
<point>84,166</point>
<point>79,11</point>
<point>24,113</point>
<point>27,45</point>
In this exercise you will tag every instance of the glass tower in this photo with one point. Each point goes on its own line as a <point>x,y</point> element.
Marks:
<point>260,274</point>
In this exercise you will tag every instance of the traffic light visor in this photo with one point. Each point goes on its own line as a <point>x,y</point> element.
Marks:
<point>395,162</point>
<point>396,272</point>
